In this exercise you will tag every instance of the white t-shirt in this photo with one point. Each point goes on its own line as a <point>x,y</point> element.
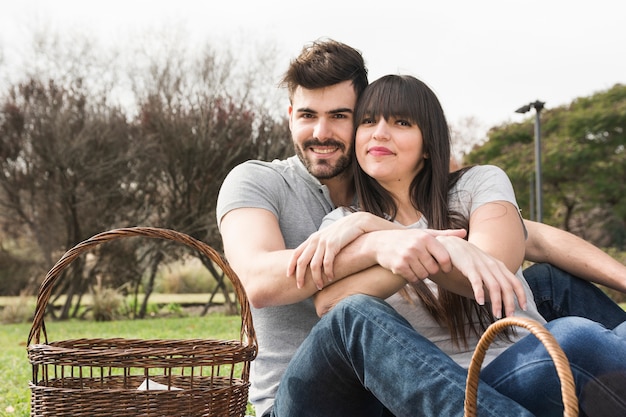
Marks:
<point>478,186</point>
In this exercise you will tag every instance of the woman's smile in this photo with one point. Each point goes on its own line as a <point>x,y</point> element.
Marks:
<point>379,151</point>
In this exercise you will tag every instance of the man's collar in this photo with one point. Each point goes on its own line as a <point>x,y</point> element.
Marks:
<point>302,171</point>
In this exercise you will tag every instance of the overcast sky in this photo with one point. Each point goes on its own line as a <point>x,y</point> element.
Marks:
<point>484,58</point>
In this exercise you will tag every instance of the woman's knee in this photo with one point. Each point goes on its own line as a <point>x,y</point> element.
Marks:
<point>358,303</point>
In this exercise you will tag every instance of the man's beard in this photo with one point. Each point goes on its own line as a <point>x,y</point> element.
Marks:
<point>323,169</point>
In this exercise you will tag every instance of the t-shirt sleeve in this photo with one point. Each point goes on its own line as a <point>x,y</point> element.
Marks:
<point>481,185</point>
<point>484,184</point>
<point>249,185</point>
<point>335,215</point>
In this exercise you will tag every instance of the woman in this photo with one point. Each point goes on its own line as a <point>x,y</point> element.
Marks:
<point>401,155</point>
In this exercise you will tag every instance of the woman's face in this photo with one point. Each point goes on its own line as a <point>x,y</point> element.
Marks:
<point>390,151</point>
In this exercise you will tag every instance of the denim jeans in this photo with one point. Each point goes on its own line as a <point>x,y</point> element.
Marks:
<point>364,359</point>
<point>559,294</point>
<point>525,372</point>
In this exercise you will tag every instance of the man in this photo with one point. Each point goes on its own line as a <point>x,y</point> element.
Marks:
<point>267,209</point>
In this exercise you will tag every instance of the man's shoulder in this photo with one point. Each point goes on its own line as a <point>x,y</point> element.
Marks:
<point>257,167</point>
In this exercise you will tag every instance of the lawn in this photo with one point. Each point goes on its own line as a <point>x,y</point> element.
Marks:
<point>16,371</point>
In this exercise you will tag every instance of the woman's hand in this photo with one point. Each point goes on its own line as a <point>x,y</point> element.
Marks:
<point>318,252</point>
<point>484,271</point>
<point>413,254</point>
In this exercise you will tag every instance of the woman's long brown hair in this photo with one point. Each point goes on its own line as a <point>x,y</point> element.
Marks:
<point>406,97</point>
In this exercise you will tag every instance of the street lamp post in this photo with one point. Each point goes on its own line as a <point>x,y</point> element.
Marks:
<point>538,106</point>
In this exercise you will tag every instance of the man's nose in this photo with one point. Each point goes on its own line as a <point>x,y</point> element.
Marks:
<point>322,130</point>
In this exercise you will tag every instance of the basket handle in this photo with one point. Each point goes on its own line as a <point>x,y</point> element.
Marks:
<point>45,290</point>
<point>568,389</point>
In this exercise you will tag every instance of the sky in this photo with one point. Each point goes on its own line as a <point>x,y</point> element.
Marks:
<point>483,58</point>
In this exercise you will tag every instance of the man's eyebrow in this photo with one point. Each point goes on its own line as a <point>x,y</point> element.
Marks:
<point>305,110</point>
<point>334,111</point>
<point>342,110</point>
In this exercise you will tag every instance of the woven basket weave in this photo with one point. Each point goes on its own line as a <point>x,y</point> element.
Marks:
<point>101,377</point>
<point>568,389</point>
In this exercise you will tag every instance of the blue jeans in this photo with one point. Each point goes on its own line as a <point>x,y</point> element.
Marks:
<point>525,373</point>
<point>364,359</point>
<point>559,294</point>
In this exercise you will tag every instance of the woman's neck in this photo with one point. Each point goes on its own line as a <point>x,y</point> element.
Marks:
<point>407,214</point>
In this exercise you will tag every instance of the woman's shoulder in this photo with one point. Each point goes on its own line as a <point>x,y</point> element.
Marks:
<point>484,171</point>
<point>481,184</point>
<point>481,176</point>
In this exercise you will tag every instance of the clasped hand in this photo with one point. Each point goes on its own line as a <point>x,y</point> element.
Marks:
<point>414,254</point>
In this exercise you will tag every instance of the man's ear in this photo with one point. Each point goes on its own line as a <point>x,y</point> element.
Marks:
<point>290,111</point>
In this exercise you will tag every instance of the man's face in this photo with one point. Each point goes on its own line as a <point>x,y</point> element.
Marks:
<point>322,128</point>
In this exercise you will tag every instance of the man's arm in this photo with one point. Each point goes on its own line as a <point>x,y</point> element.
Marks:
<point>572,254</point>
<point>255,249</point>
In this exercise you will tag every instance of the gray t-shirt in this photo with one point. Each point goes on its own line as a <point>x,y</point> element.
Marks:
<point>478,186</point>
<point>299,202</point>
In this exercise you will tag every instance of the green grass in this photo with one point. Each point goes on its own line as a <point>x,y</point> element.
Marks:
<point>15,369</point>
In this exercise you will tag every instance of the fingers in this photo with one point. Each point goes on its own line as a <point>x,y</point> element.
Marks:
<point>440,256</point>
<point>312,255</point>
<point>415,268</point>
<point>447,232</point>
<point>503,288</point>
<point>299,261</point>
<point>293,262</point>
<point>315,265</point>
<point>488,276</point>
<point>510,288</point>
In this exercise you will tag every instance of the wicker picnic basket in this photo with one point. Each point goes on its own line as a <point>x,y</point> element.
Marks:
<point>568,389</point>
<point>135,377</point>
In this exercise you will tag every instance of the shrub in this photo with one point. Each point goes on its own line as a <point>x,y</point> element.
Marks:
<point>19,311</point>
<point>16,272</point>
<point>106,304</point>
<point>185,277</point>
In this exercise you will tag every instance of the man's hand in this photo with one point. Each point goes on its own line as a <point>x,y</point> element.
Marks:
<point>414,254</point>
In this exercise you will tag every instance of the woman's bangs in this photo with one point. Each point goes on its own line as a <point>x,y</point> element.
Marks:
<point>391,99</point>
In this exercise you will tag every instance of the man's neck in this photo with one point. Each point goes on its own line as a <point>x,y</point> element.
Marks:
<point>341,189</point>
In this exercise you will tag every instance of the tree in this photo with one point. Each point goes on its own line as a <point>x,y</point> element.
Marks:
<point>583,164</point>
<point>196,131</point>
<point>64,173</point>
<point>76,161</point>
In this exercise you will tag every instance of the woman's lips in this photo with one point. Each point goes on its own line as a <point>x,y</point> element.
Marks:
<point>379,151</point>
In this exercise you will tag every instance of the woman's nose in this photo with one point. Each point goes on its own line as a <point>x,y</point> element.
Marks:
<point>381,132</point>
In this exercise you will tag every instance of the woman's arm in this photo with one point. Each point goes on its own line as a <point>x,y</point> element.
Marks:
<point>360,240</point>
<point>496,228</point>
<point>375,281</point>
<point>485,262</point>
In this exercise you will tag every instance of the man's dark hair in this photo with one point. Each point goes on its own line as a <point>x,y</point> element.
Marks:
<point>324,63</point>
